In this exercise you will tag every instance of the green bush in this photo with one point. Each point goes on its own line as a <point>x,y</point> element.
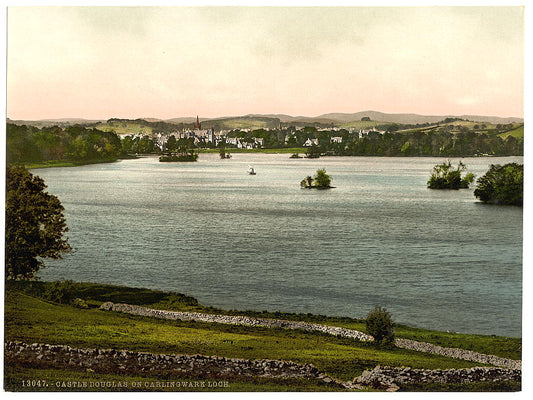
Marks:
<point>60,292</point>
<point>445,177</point>
<point>379,325</point>
<point>502,184</point>
<point>80,303</point>
<point>320,181</point>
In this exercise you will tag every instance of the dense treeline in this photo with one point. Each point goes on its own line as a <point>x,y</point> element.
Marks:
<point>434,143</point>
<point>26,144</point>
<point>78,143</point>
<point>441,141</point>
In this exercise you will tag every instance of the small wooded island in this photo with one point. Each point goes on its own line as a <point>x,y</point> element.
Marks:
<point>445,177</point>
<point>185,156</point>
<point>320,181</point>
<point>501,184</point>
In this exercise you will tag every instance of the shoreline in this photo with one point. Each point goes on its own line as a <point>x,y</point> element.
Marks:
<point>168,301</point>
<point>327,329</point>
<point>69,163</point>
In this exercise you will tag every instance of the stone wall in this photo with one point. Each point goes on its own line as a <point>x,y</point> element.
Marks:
<point>458,353</point>
<point>236,320</point>
<point>332,330</point>
<point>57,356</point>
<point>102,361</point>
<point>391,379</point>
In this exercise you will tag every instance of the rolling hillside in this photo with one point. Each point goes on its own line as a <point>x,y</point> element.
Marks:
<point>413,118</point>
<point>258,121</point>
<point>517,133</point>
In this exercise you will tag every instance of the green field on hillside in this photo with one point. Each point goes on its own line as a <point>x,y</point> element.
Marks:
<point>125,128</point>
<point>516,132</point>
<point>241,123</point>
<point>362,124</point>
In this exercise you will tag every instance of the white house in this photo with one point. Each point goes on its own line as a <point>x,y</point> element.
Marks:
<point>259,142</point>
<point>232,140</point>
<point>310,142</point>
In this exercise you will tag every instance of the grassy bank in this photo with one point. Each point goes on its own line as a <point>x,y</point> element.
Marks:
<point>64,163</point>
<point>291,150</point>
<point>67,163</point>
<point>31,318</point>
<point>96,294</point>
<point>72,163</point>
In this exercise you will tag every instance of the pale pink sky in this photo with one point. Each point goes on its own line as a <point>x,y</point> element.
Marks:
<point>134,62</point>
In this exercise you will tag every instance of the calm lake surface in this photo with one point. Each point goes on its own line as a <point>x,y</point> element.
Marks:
<point>434,259</point>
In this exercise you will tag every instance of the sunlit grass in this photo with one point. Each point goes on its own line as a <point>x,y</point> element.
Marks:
<point>517,133</point>
<point>30,319</point>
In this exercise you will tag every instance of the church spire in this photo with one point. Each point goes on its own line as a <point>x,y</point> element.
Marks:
<point>197,124</point>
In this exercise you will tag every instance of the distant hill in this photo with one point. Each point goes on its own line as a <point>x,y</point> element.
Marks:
<point>299,119</point>
<point>414,118</point>
<point>246,122</point>
<point>51,122</point>
<point>256,121</point>
<point>184,120</point>
<point>343,118</point>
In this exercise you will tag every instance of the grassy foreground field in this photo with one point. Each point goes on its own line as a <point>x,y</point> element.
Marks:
<point>31,318</point>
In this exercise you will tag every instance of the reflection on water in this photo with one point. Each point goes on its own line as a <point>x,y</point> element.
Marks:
<point>436,259</point>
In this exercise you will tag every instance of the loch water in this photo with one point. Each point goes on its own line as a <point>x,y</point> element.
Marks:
<point>435,259</point>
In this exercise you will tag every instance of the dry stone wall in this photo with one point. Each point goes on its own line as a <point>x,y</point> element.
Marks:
<point>236,320</point>
<point>332,330</point>
<point>458,353</point>
<point>110,360</point>
<point>392,379</point>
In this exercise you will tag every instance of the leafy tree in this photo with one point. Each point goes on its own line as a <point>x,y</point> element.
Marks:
<point>445,177</point>
<point>60,292</point>
<point>185,144</point>
<point>34,225</point>
<point>20,146</point>
<point>322,179</point>
<point>146,145</point>
<point>313,151</point>
<point>79,149</point>
<point>172,143</point>
<point>502,184</point>
<point>48,140</point>
<point>307,182</point>
<point>379,324</point>
<point>222,149</point>
<point>129,145</point>
<point>393,128</point>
